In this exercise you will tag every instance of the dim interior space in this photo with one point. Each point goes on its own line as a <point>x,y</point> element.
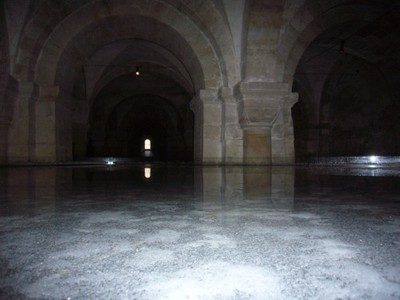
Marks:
<point>213,149</point>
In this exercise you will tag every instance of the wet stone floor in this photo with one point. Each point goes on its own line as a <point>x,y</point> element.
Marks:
<point>199,233</point>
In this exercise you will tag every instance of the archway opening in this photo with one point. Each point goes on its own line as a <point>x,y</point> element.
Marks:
<point>124,87</point>
<point>346,81</point>
<point>144,118</point>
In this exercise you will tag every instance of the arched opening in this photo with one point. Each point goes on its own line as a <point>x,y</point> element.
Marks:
<point>110,106</point>
<point>130,108</point>
<point>346,80</point>
<point>147,144</point>
<point>135,88</point>
<point>142,127</point>
<point>73,56</point>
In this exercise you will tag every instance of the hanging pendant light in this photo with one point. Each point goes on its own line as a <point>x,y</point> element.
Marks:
<point>137,71</point>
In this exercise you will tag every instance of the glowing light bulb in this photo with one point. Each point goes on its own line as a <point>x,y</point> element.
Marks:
<point>373,159</point>
<point>137,73</point>
<point>110,162</point>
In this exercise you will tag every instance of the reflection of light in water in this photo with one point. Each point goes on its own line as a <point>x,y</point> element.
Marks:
<point>147,172</point>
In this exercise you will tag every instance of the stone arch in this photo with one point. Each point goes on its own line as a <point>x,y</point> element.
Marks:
<point>299,34</point>
<point>114,29</point>
<point>44,45</point>
<point>311,43</point>
<point>125,85</point>
<point>130,113</point>
<point>358,113</point>
<point>136,90</point>
<point>212,42</point>
<point>166,64</point>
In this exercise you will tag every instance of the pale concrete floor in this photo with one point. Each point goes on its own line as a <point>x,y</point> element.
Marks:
<point>199,233</point>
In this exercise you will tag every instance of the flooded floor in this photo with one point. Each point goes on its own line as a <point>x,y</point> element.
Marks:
<point>176,232</point>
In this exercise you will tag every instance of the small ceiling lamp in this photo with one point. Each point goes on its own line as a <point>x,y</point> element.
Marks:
<point>137,71</point>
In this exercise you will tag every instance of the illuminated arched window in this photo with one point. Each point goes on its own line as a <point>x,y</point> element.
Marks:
<point>147,172</point>
<point>147,144</point>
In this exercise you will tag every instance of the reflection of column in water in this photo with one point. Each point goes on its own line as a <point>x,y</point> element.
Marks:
<point>50,183</point>
<point>20,190</point>
<point>257,182</point>
<point>33,188</point>
<point>273,184</point>
<point>209,184</point>
<point>219,183</point>
<point>282,187</point>
<point>235,183</point>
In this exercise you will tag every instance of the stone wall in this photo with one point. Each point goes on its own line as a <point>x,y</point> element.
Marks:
<point>234,62</point>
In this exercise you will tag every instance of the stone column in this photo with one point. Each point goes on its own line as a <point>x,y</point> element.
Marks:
<point>311,142</point>
<point>207,109</point>
<point>267,123</point>
<point>8,94</point>
<point>3,142</point>
<point>21,132</point>
<point>53,132</point>
<point>232,131</point>
<point>45,125</point>
<point>264,23</point>
<point>79,137</point>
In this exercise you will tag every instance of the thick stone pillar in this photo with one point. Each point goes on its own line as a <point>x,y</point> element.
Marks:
<point>311,142</point>
<point>3,142</point>
<point>257,144</point>
<point>232,131</point>
<point>267,122</point>
<point>207,109</point>
<point>79,138</point>
<point>264,25</point>
<point>53,132</point>
<point>45,125</point>
<point>21,132</point>
<point>8,94</point>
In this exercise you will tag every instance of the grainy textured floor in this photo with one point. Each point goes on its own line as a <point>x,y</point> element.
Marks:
<point>199,233</point>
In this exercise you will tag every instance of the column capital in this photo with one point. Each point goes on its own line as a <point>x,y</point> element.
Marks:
<point>266,92</point>
<point>28,89</point>
<point>227,95</point>
<point>209,96</point>
<point>261,102</point>
<point>48,92</point>
<point>258,88</point>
